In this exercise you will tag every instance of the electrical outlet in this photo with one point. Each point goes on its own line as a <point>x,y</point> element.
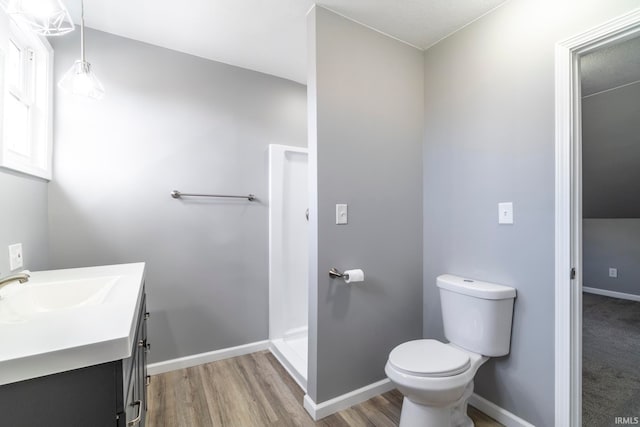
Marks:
<point>613,272</point>
<point>15,256</point>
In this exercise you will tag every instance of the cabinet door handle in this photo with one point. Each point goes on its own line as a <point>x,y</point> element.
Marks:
<point>137,419</point>
<point>147,315</point>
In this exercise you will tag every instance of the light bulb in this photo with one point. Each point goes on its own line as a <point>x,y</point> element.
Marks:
<point>80,80</point>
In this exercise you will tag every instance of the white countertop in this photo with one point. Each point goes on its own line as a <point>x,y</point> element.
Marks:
<point>74,338</point>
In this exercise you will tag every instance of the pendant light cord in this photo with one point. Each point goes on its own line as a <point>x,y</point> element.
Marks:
<point>82,56</point>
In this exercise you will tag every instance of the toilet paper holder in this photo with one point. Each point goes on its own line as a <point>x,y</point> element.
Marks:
<point>335,274</point>
<point>349,276</point>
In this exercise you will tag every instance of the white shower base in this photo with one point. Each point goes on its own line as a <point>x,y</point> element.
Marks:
<point>291,352</point>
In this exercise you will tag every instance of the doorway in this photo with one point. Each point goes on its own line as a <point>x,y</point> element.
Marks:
<point>569,270</point>
<point>610,116</point>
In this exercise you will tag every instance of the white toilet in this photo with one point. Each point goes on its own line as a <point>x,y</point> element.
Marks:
<point>436,378</point>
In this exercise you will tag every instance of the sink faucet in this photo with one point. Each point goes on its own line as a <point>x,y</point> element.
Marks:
<point>20,277</point>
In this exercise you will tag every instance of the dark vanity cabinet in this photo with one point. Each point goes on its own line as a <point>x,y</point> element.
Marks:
<point>112,394</point>
<point>132,396</point>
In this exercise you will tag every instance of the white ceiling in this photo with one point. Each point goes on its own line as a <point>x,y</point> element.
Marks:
<point>269,35</point>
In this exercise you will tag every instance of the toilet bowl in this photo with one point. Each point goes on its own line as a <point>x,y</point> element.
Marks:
<point>435,387</point>
<point>435,378</point>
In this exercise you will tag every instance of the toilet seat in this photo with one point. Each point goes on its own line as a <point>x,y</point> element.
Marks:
<point>429,358</point>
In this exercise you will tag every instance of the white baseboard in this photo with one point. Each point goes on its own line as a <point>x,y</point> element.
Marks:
<point>612,294</point>
<point>212,356</point>
<point>497,413</point>
<point>324,409</point>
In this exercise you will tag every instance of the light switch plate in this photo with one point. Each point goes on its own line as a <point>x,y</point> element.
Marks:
<point>505,213</point>
<point>342,216</point>
<point>15,256</point>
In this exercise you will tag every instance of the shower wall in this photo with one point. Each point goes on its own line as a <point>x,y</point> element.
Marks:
<point>288,259</point>
<point>288,251</point>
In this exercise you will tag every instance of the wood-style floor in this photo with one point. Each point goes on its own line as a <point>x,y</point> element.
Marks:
<point>254,390</point>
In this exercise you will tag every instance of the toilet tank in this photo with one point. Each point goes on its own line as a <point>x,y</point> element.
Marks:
<point>477,315</point>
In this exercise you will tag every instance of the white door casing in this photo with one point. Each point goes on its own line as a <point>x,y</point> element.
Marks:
<point>568,210</point>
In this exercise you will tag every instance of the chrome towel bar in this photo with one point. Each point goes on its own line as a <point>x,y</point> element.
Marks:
<point>177,195</point>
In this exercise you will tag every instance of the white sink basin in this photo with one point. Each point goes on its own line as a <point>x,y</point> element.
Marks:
<point>24,301</point>
<point>67,319</point>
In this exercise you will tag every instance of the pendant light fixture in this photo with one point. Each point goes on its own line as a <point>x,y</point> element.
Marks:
<point>80,80</point>
<point>45,17</point>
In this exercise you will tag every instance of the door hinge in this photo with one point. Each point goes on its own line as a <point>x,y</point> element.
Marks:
<point>573,273</point>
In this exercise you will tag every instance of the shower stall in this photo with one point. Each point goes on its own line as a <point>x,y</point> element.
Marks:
<point>288,259</point>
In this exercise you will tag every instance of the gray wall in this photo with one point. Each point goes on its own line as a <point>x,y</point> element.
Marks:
<point>172,121</point>
<point>23,219</point>
<point>365,94</point>
<point>611,183</point>
<point>611,153</point>
<point>612,243</point>
<point>489,138</point>
<point>611,66</point>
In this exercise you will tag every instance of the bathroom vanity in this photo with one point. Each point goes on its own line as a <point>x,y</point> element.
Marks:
<point>73,348</point>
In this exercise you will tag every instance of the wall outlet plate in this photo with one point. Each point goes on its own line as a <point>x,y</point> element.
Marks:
<point>15,256</point>
<point>613,272</point>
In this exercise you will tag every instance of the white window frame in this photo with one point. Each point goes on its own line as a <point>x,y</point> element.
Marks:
<point>37,94</point>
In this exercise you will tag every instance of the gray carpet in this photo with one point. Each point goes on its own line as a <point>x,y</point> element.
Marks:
<point>610,360</point>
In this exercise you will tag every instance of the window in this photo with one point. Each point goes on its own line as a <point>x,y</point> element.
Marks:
<point>25,101</point>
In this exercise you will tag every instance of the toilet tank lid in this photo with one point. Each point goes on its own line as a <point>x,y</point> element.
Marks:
<point>475,288</point>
